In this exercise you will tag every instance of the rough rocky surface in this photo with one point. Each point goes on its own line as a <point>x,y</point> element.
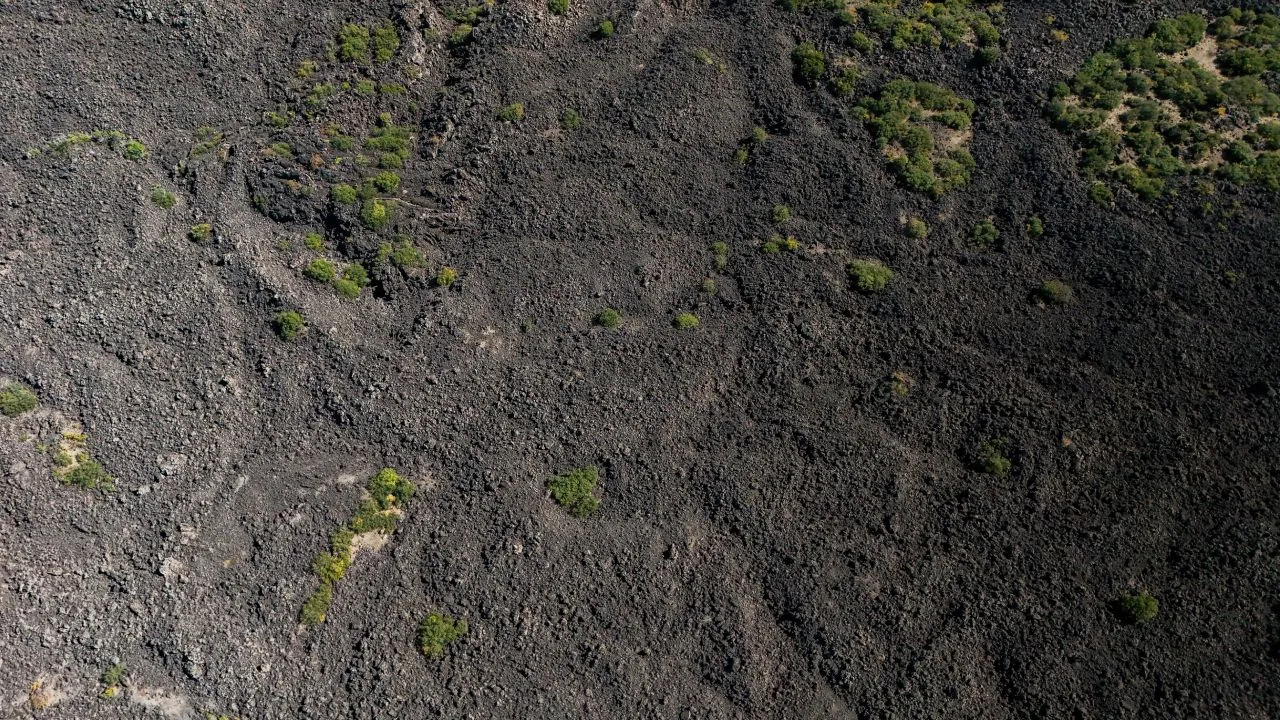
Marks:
<point>780,535</point>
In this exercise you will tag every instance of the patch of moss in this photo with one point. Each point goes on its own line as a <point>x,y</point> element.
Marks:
<point>353,43</point>
<point>575,490</point>
<point>437,632</point>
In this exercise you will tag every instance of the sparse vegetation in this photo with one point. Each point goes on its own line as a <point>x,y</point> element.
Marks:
<point>289,324</point>
<point>706,57</point>
<point>779,214</point>
<point>313,241</point>
<point>907,119</point>
<point>1145,112</point>
<point>446,277</point>
<point>163,198</point>
<point>74,466</point>
<point>512,113</point>
<point>353,43</point>
<point>1055,292</point>
<point>111,679</point>
<point>869,276</point>
<point>200,233</point>
<point>900,383</point>
<point>609,318</point>
<point>992,458</point>
<point>1035,227</point>
<point>810,64</point>
<point>720,255</point>
<point>16,399</point>
<point>570,119</point>
<point>1135,609</point>
<point>437,632</point>
<point>917,229</point>
<point>575,490</point>
<point>558,7</point>
<point>385,43</point>
<point>320,270</point>
<point>605,29</point>
<point>686,321</point>
<point>945,23</point>
<point>985,235</point>
<point>386,496</point>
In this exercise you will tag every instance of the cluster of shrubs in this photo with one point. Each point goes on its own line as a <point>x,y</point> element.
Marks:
<point>942,23</point>
<point>348,284</point>
<point>72,464</point>
<point>467,18</point>
<point>900,117</point>
<point>358,43</point>
<point>128,148</point>
<point>386,495</point>
<point>1147,145</point>
<point>810,65</point>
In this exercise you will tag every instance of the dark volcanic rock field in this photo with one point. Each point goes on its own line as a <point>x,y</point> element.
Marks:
<point>786,529</point>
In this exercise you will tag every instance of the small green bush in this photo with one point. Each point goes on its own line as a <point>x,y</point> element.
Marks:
<point>709,286</point>
<point>314,609</point>
<point>992,459</point>
<point>870,276</point>
<point>917,228</point>
<point>512,113</point>
<point>446,277</point>
<point>1035,227</point>
<point>437,632</point>
<point>355,273</point>
<point>609,318</point>
<point>570,119</point>
<point>343,194</point>
<point>605,29</point>
<point>277,118</point>
<point>346,288</point>
<point>780,214</point>
<point>575,490</point>
<point>558,7</point>
<point>163,198</point>
<point>375,213</point>
<point>313,241</point>
<point>289,324</point>
<point>809,62</point>
<point>1055,292</point>
<point>720,254</point>
<point>386,181</point>
<point>1101,195</point>
<point>90,475</point>
<point>16,399</point>
<point>385,42</point>
<point>759,136</point>
<point>200,233</point>
<point>353,43</point>
<point>330,568</point>
<point>985,235</point>
<point>402,255</point>
<point>844,81</point>
<point>1136,609</point>
<point>686,321</point>
<point>320,270</point>
<point>461,35</point>
<point>134,150</point>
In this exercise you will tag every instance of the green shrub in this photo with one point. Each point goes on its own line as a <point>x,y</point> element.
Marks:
<point>200,233</point>
<point>570,119</point>
<point>870,275</point>
<point>759,136</point>
<point>277,118</point>
<point>558,7</point>
<point>134,150</point>
<point>1101,195</point>
<point>512,113</point>
<point>1135,609</point>
<point>289,324</point>
<point>1035,227</point>
<point>709,286</point>
<point>403,255</point>
<point>343,194</point>
<point>780,214</point>
<point>809,62</point>
<point>992,459</point>
<point>385,42</point>
<point>461,35</point>
<point>446,277</point>
<point>844,81</point>
<point>386,181</point>
<point>320,270</point>
<point>111,679</point>
<point>346,288</point>
<point>860,42</point>
<point>90,475</point>
<point>355,273</point>
<point>1055,292</point>
<point>686,321</point>
<point>985,235</point>
<point>375,213</point>
<point>437,632</point>
<point>313,241</point>
<point>917,229</point>
<point>330,568</point>
<point>609,318</point>
<point>16,399</point>
<point>353,43</point>
<point>163,198</point>
<point>720,254</point>
<point>574,490</point>
<point>317,606</point>
<point>604,29</point>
